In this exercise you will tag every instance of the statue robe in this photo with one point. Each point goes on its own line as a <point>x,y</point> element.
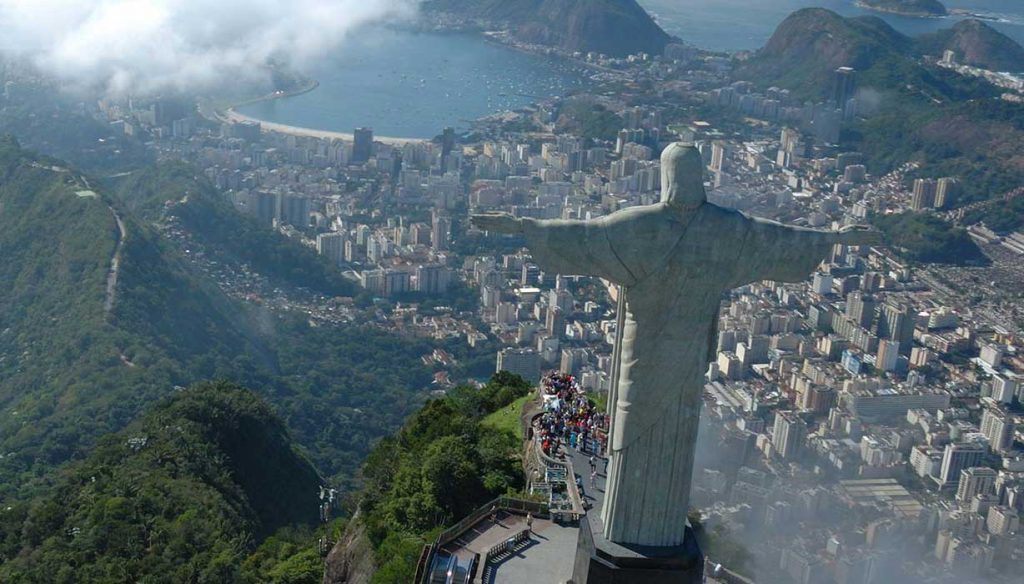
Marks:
<point>674,266</point>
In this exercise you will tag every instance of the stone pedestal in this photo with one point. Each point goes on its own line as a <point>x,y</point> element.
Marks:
<point>599,561</point>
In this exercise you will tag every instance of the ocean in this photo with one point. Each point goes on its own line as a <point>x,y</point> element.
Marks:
<point>736,25</point>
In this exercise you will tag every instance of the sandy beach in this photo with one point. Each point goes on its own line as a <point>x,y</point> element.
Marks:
<point>234,116</point>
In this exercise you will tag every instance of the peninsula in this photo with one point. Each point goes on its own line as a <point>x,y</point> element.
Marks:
<point>918,8</point>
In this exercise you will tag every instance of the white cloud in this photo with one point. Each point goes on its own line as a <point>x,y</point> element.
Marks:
<point>160,45</point>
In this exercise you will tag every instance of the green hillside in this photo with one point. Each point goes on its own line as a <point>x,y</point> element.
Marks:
<point>184,494</point>
<point>175,188</point>
<point>70,370</point>
<point>446,461</point>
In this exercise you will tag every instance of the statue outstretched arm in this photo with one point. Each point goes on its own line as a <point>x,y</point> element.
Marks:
<point>783,253</point>
<point>579,248</point>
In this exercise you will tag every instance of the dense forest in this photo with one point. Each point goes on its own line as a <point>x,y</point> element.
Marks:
<point>443,463</point>
<point>925,238</point>
<point>184,494</point>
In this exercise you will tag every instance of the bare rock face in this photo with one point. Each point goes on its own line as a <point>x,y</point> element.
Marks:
<point>351,559</point>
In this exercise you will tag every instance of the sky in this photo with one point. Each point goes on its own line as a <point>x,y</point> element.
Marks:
<point>140,46</point>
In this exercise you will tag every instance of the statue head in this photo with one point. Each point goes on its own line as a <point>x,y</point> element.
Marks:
<point>682,176</point>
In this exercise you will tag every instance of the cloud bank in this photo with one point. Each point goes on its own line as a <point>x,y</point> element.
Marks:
<point>141,46</point>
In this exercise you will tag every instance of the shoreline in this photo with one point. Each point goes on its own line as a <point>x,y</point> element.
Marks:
<point>265,126</point>
<point>231,114</point>
<point>898,12</point>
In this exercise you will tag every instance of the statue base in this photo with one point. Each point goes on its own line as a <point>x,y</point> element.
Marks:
<point>599,561</point>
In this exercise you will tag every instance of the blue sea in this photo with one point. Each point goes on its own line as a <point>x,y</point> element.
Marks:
<point>734,25</point>
<point>407,84</point>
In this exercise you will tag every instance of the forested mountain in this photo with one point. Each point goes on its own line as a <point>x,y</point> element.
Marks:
<point>951,124</point>
<point>613,27</point>
<point>77,361</point>
<point>183,494</point>
<point>975,43</point>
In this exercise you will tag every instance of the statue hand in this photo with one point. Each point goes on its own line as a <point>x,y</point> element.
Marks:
<point>860,235</point>
<point>498,222</point>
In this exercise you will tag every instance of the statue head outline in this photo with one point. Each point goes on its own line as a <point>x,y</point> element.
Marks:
<point>682,176</point>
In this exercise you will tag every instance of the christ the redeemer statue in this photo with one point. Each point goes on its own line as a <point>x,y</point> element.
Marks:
<point>673,260</point>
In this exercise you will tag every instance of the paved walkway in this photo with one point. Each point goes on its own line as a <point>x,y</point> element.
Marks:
<point>547,559</point>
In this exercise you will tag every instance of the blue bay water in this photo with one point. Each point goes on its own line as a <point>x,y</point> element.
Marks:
<point>407,84</point>
<point>412,85</point>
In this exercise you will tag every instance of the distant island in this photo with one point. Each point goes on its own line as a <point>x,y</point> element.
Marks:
<point>919,8</point>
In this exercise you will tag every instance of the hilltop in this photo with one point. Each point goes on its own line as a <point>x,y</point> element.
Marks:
<point>975,43</point>
<point>810,44</point>
<point>951,124</point>
<point>184,494</point>
<point>923,8</point>
<point>613,27</point>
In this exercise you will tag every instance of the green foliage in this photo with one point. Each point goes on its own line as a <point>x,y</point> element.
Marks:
<point>1003,218</point>
<point>178,496</point>
<point>443,464</point>
<point>507,419</point>
<point>179,189</point>
<point>925,238</point>
<point>589,120</point>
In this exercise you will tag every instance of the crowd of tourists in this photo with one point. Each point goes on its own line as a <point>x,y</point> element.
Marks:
<point>570,418</point>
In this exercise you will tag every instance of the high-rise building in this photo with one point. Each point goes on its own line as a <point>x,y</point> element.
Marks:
<point>293,210</point>
<point>822,283</point>
<point>977,480</point>
<point>888,355</point>
<point>331,246</point>
<point>396,282</point>
<point>1003,388</point>
<point>433,279</point>
<point>924,194</point>
<point>440,233</point>
<point>362,145</point>
<point>955,458</point>
<point>945,190</point>
<point>844,85</point>
<point>896,323</point>
<point>860,308</point>
<point>447,146</point>
<point>997,425</point>
<point>719,151</point>
<point>788,434</point>
<point>1002,520</point>
<point>523,362</point>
